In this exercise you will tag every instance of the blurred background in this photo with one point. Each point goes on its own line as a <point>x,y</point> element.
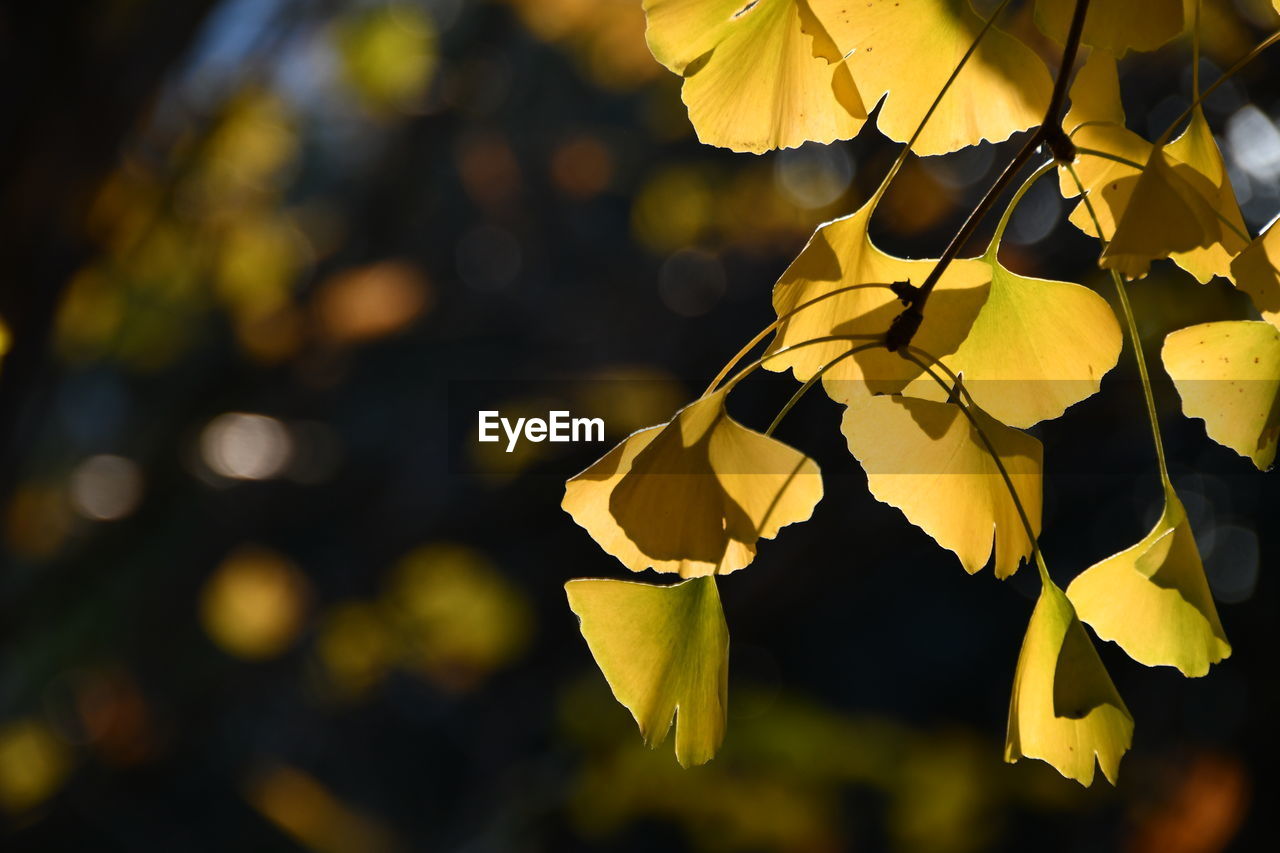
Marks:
<point>261,261</point>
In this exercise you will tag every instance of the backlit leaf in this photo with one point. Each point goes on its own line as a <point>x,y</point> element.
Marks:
<point>1064,709</point>
<point>1036,347</point>
<point>905,52</point>
<point>665,652</point>
<point>1228,374</point>
<point>1256,271</point>
<point>1115,25</point>
<point>753,81</point>
<point>1165,210</point>
<point>1186,192</point>
<point>1153,599</point>
<point>1197,148</point>
<point>926,459</point>
<point>693,496</point>
<point>839,255</point>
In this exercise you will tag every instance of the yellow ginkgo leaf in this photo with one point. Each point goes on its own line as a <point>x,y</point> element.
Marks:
<point>906,51</point>
<point>1228,374</point>
<point>1096,121</point>
<point>1036,347</point>
<point>1115,25</point>
<point>841,255</point>
<point>753,79</point>
<point>695,495</point>
<point>1064,709</point>
<point>1153,599</point>
<point>665,652</point>
<point>1165,210</point>
<point>1197,148</point>
<point>926,459</point>
<point>1197,231</point>
<point>1256,271</point>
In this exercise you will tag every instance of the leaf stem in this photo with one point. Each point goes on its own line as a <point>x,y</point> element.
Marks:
<point>966,404</point>
<point>874,340</point>
<point>764,333</point>
<point>812,380</point>
<point>994,247</point>
<point>1231,72</point>
<point>1132,323</point>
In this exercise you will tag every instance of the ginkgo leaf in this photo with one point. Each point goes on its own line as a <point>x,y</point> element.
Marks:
<point>693,496</point>
<point>1197,148</point>
<point>1065,710</point>
<point>1115,25</point>
<point>1164,210</point>
<point>905,52</point>
<point>753,81</point>
<point>1153,599</point>
<point>1256,271</point>
<point>1187,194</point>
<point>1096,121</point>
<point>926,459</point>
<point>665,652</point>
<point>1036,347</point>
<point>1228,374</point>
<point>841,255</point>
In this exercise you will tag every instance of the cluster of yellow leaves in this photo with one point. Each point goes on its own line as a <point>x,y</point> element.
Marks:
<point>943,443</point>
<point>765,74</point>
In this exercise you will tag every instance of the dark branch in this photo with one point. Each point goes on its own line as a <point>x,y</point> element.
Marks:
<point>1050,134</point>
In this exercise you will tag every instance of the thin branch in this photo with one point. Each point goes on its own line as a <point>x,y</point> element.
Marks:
<point>1050,133</point>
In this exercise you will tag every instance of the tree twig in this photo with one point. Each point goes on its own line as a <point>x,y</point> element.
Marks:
<point>1049,133</point>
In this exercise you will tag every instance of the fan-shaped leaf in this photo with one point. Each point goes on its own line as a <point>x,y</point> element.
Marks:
<point>1197,148</point>
<point>1163,211</point>
<point>1256,271</point>
<point>1065,709</point>
<point>753,79</point>
<point>1036,347</point>
<point>695,495</point>
<point>1228,374</point>
<point>840,255</point>
<point>1115,25</point>
<point>1153,599</point>
<point>926,459</point>
<point>665,652</point>
<point>1186,195</point>
<point>905,52</point>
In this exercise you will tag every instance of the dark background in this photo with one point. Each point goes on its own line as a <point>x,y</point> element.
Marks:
<point>262,261</point>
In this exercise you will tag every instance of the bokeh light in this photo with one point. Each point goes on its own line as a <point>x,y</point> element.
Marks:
<point>243,446</point>
<point>106,487</point>
<point>254,604</point>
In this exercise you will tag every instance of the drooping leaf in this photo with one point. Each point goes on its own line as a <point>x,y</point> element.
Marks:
<point>1115,25</point>
<point>926,459</point>
<point>1163,211</point>
<point>1186,195</point>
<point>753,81</point>
<point>1228,374</point>
<point>905,51</point>
<point>1065,709</point>
<point>840,255</point>
<point>1256,271</point>
<point>665,652</point>
<point>693,496</point>
<point>1036,347</point>
<point>1197,148</point>
<point>1153,599</point>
